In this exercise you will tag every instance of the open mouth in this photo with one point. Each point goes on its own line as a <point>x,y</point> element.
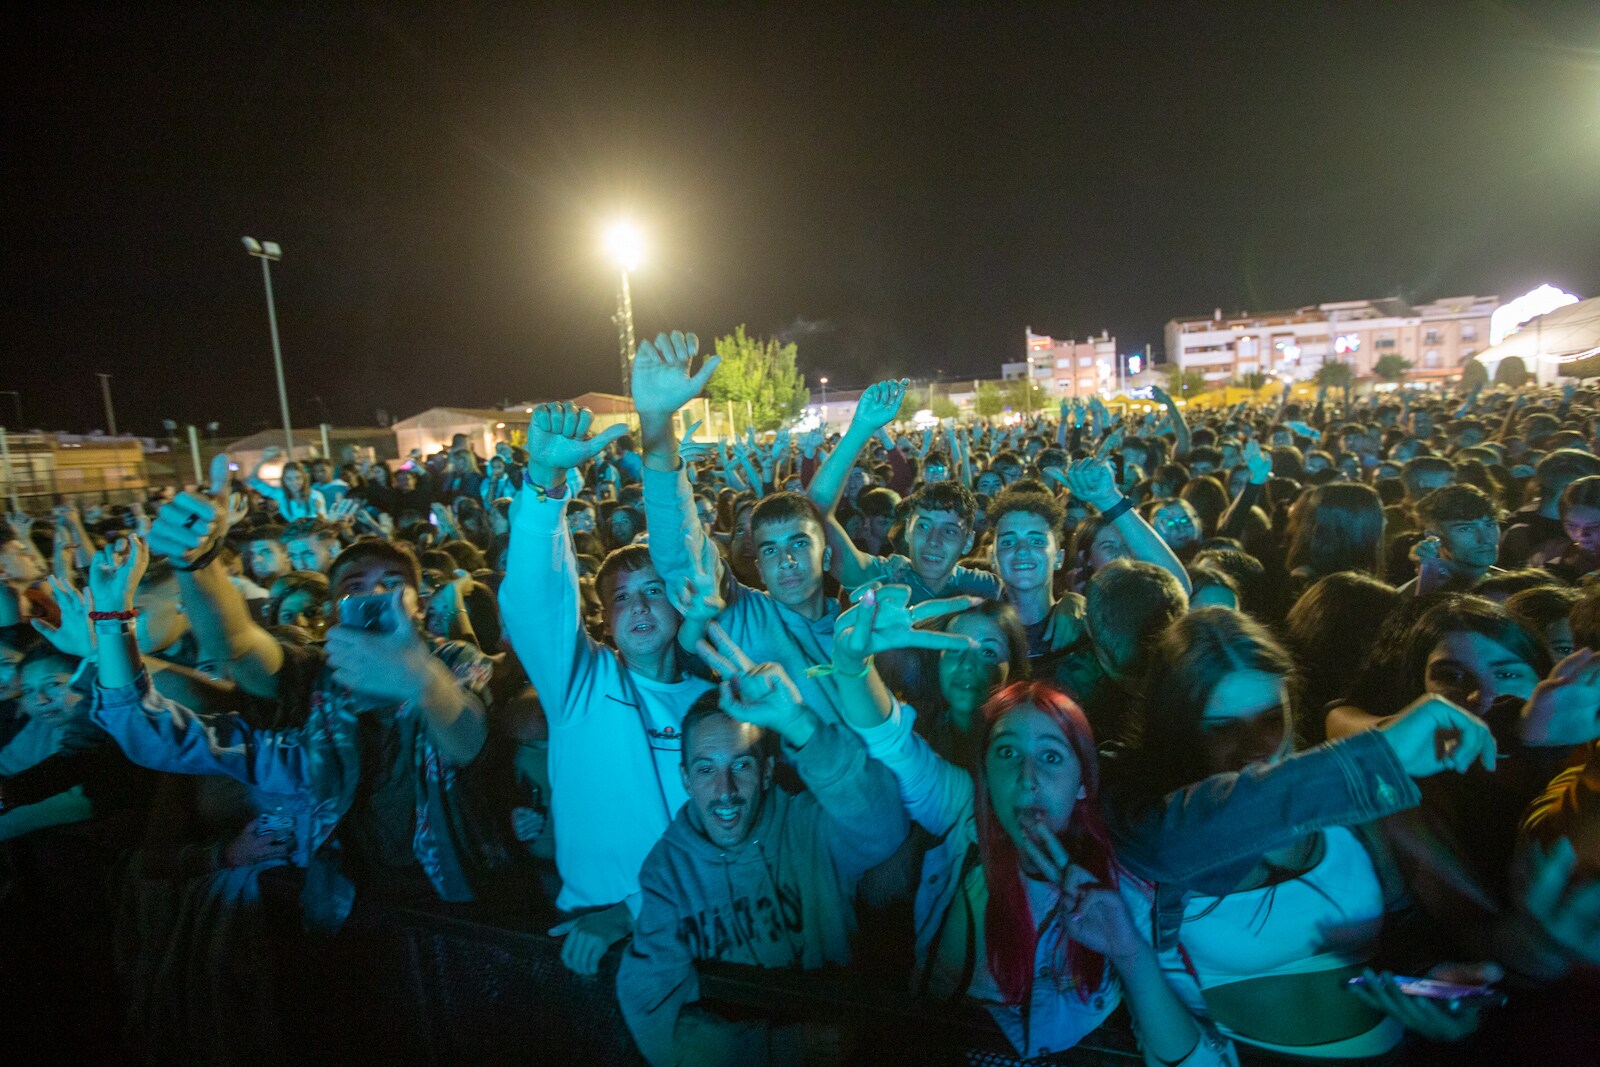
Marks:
<point>727,815</point>
<point>1030,820</point>
<point>642,628</point>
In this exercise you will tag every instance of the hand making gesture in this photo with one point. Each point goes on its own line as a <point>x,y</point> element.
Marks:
<point>663,376</point>
<point>558,440</point>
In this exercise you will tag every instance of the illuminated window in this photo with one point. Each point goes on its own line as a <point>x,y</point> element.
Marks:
<point>1469,332</point>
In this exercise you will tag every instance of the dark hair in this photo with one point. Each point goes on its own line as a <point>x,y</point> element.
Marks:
<point>1043,505</point>
<point>1127,603</point>
<point>1539,607</point>
<point>628,558</point>
<point>374,551</point>
<point>1417,466</point>
<point>302,528</point>
<point>1340,529</point>
<point>944,496</point>
<point>1581,493</point>
<point>267,531</point>
<point>1248,574</point>
<point>1331,630</point>
<point>1446,614</point>
<point>1454,503</point>
<point>1563,466</point>
<point>467,556</point>
<point>1208,498</point>
<point>1189,660</point>
<point>878,502</point>
<point>705,706</point>
<point>294,582</point>
<point>786,507</point>
<point>1507,584</point>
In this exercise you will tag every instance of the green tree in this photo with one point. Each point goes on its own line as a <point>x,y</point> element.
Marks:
<point>1255,380</point>
<point>1474,374</point>
<point>1025,396</point>
<point>1335,375</point>
<point>1391,367</point>
<point>988,401</point>
<point>1183,383</point>
<point>1511,371</point>
<point>944,408</point>
<point>758,376</point>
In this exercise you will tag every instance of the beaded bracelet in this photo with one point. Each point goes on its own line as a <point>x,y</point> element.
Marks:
<point>113,616</point>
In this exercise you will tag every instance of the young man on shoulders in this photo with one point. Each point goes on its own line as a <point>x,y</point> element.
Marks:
<point>615,715</point>
<point>939,522</point>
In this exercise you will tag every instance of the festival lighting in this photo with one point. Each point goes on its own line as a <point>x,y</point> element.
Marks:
<point>1541,301</point>
<point>624,244</point>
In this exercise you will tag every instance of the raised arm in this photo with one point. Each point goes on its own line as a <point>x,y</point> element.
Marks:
<point>664,380</point>
<point>1180,425</point>
<point>877,408</point>
<point>1092,480</point>
<point>189,532</point>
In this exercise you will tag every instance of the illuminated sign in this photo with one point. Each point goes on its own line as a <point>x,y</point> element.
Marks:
<point>1543,300</point>
<point>1347,342</point>
<point>1135,364</point>
<point>1291,350</point>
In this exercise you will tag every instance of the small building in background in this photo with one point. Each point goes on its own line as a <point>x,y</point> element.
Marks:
<point>374,443</point>
<point>44,468</point>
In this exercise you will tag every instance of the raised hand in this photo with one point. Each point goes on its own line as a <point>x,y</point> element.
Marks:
<point>1562,899</point>
<point>343,512</point>
<point>115,572</point>
<point>883,619</point>
<point>1259,464</point>
<point>1565,708</point>
<point>761,694</point>
<point>691,450</point>
<point>558,439</point>
<point>75,635</point>
<point>663,378</point>
<point>879,405</point>
<point>1160,395</point>
<point>1432,735</point>
<point>1094,482</point>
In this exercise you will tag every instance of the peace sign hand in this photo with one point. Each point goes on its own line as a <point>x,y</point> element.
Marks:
<point>882,619</point>
<point>761,694</point>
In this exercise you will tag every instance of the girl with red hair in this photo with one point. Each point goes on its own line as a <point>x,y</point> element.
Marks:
<point>1020,904</point>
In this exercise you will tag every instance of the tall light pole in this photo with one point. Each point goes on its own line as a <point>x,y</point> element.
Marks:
<point>824,382</point>
<point>105,394</point>
<point>625,244</point>
<point>269,252</point>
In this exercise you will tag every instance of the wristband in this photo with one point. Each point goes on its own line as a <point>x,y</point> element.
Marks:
<point>204,561</point>
<point>1117,510</point>
<point>113,616</point>
<point>542,494</point>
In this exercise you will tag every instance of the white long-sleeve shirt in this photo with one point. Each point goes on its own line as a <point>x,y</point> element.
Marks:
<point>615,745</point>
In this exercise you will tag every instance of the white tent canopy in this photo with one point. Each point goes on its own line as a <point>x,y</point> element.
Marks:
<point>1544,343</point>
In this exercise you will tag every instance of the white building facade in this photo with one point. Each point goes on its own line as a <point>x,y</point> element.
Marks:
<point>1436,338</point>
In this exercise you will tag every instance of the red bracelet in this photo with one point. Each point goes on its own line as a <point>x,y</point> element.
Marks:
<point>113,616</point>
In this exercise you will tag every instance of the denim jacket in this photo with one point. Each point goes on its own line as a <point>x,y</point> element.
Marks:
<point>1204,838</point>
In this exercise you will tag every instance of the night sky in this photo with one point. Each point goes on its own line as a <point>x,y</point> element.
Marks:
<point>898,190</point>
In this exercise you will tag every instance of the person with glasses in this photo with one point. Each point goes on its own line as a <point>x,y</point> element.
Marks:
<point>1178,524</point>
<point>1461,540</point>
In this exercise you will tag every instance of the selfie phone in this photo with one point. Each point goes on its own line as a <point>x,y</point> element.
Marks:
<point>366,613</point>
<point>1454,994</point>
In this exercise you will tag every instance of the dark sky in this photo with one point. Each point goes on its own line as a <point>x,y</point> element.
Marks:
<point>900,190</point>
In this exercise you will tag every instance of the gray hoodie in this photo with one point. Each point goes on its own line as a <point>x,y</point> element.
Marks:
<point>782,899</point>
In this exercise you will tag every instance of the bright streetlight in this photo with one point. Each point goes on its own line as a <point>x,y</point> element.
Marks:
<point>269,252</point>
<point>625,245</point>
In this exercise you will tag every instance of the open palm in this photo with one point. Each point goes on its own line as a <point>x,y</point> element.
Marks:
<point>663,376</point>
<point>558,436</point>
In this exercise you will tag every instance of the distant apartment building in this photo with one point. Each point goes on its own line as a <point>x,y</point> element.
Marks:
<point>1067,368</point>
<point>1436,338</point>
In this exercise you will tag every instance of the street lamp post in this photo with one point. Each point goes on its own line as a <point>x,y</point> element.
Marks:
<point>269,252</point>
<point>625,244</point>
<point>824,382</point>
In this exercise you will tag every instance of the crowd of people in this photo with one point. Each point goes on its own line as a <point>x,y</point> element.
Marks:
<point>1270,730</point>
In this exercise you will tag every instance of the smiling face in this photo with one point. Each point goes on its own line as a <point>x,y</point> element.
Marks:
<point>1026,552</point>
<point>936,541</point>
<point>293,480</point>
<point>791,556</point>
<point>639,617</point>
<point>1474,671</point>
<point>967,677</point>
<point>1246,721</point>
<point>1034,776</point>
<point>727,778</point>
